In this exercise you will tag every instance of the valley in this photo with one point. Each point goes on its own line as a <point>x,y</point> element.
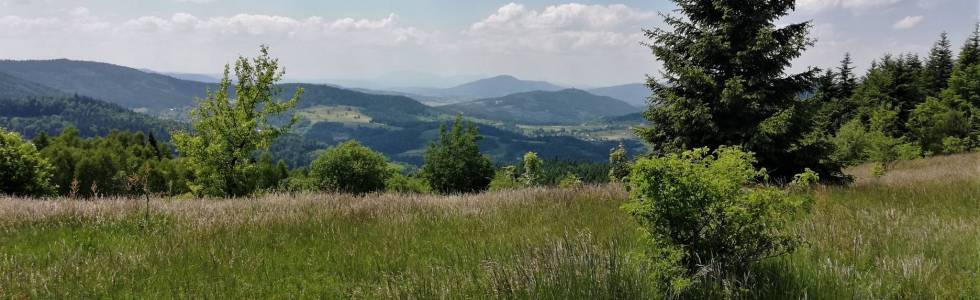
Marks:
<point>559,123</point>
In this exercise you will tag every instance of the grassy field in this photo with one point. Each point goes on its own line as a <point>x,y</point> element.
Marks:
<point>913,233</point>
<point>336,114</point>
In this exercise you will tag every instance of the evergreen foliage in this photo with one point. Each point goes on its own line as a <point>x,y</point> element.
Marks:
<point>724,84</point>
<point>939,67</point>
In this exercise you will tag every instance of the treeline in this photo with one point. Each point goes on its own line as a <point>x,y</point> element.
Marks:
<point>905,106</point>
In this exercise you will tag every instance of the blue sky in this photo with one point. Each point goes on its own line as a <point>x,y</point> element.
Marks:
<point>433,42</point>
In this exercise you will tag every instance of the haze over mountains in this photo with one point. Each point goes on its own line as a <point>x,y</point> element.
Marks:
<point>569,106</point>
<point>49,95</point>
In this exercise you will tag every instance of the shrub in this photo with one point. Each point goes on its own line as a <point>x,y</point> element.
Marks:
<point>405,184</point>
<point>23,172</point>
<point>570,180</point>
<point>619,165</point>
<point>350,168</point>
<point>505,179</point>
<point>856,144</point>
<point>955,145</point>
<point>705,205</point>
<point>454,164</point>
<point>532,169</point>
<point>935,119</point>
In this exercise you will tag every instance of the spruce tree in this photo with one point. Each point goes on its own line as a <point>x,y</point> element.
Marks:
<point>848,82</point>
<point>939,67</point>
<point>725,83</point>
<point>970,53</point>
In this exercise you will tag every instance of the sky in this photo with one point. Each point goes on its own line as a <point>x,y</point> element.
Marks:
<point>435,42</point>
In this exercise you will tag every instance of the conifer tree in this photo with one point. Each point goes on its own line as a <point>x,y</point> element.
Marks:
<point>848,82</point>
<point>724,83</point>
<point>970,53</point>
<point>939,67</point>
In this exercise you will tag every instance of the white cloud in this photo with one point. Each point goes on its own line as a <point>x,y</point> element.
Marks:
<point>564,43</point>
<point>854,5</point>
<point>565,27</point>
<point>908,22</point>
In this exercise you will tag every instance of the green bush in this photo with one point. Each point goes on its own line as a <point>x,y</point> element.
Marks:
<point>955,145</point>
<point>856,144</point>
<point>350,168</point>
<point>532,169</point>
<point>405,184</point>
<point>707,206</point>
<point>454,164</point>
<point>571,180</point>
<point>506,179</point>
<point>937,119</point>
<point>619,165</point>
<point>23,172</point>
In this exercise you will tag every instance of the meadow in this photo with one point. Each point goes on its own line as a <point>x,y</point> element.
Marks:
<point>912,233</point>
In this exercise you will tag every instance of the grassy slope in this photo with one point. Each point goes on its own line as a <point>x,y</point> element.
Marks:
<point>900,236</point>
<point>913,233</point>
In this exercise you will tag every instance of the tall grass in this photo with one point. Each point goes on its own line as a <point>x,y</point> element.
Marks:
<point>912,233</point>
<point>330,246</point>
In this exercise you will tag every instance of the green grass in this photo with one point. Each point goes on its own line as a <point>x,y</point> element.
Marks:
<point>914,233</point>
<point>335,114</point>
<point>322,246</point>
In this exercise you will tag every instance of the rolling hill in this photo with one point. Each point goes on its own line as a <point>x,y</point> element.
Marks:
<point>31,116</point>
<point>569,106</point>
<point>13,87</point>
<point>128,87</point>
<point>635,93</point>
<point>30,108</point>
<point>97,98</point>
<point>497,86</point>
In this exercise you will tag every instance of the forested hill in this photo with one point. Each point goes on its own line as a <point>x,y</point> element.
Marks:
<point>569,106</point>
<point>33,115</point>
<point>13,87</point>
<point>128,87</point>
<point>381,108</point>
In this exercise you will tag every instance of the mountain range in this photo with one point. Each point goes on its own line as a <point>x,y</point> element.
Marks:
<point>564,107</point>
<point>49,95</point>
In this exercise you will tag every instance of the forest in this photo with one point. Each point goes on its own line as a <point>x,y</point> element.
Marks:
<point>753,182</point>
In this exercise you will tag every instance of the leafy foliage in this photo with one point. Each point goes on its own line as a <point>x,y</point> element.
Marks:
<point>706,206</point>
<point>121,163</point>
<point>227,132</point>
<point>351,168</point>
<point>619,164</point>
<point>506,178</point>
<point>454,163</point>
<point>23,171</point>
<point>532,169</point>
